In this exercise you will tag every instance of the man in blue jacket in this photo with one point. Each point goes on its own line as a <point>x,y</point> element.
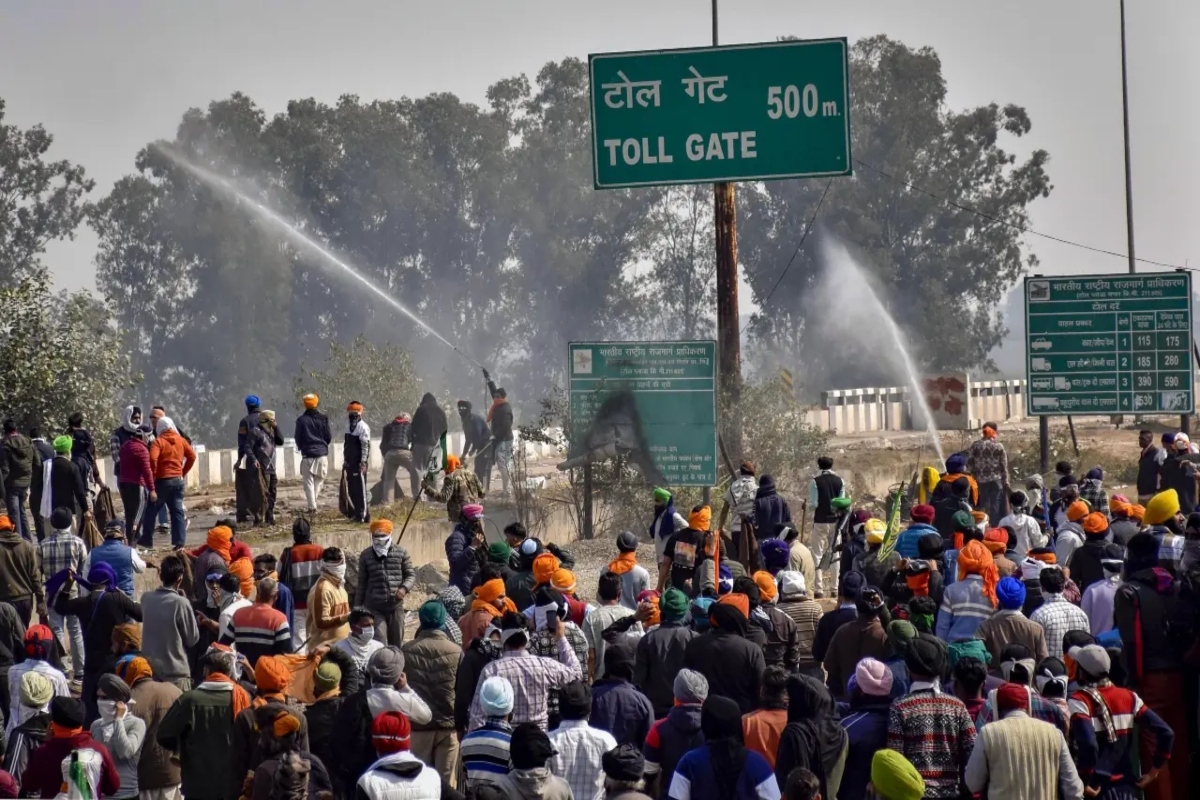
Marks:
<point>922,525</point>
<point>313,436</point>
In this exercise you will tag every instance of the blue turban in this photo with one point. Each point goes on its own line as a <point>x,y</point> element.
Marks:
<point>252,401</point>
<point>1011,593</point>
<point>700,607</point>
<point>956,463</point>
<point>724,579</point>
<point>101,573</point>
<point>775,554</point>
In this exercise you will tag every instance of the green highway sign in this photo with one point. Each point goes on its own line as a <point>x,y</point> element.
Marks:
<point>1109,344</point>
<point>735,113</point>
<point>651,403</point>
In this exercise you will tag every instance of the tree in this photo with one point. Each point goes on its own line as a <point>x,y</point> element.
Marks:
<point>39,200</point>
<point>942,269</point>
<point>680,297</point>
<point>380,377</point>
<point>59,354</point>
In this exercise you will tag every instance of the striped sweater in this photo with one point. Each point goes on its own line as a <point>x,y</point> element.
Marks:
<point>1106,762</point>
<point>935,732</point>
<point>259,630</point>
<point>299,569</point>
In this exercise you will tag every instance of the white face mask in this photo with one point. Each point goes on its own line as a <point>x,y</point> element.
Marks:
<point>381,545</point>
<point>364,638</point>
<point>336,570</point>
<point>108,709</point>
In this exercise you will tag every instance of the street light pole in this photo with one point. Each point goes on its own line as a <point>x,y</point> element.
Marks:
<point>1128,170</point>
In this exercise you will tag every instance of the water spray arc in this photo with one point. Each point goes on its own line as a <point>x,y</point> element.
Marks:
<point>290,231</point>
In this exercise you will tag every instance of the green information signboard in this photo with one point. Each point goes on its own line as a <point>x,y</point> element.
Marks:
<point>734,113</point>
<point>651,403</point>
<point>1109,344</point>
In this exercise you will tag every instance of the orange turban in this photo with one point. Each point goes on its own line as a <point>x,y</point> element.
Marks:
<point>1118,505</point>
<point>355,408</point>
<point>974,559</point>
<point>310,400</point>
<point>381,526</point>
<point>989,432</point>
<point>244,570</point>
<point>766,586</point>
<point>271,674</point>
<point>738,601</point>
<point>486,595</point>
<point>1077,511</point>
<point>563,580</point>
<point>134,670</point>
<point>1095,522</point>
<point>1045,558</point>
<point>544,566</point>
<point>284,724</point>
<point>1136,512</point>
<point>218,541</point>
<point>6,524</point>
<point>979,516</point>
<point>996,541</point>
<point>452,463</point>
<point>655,613</point>
<point>701,519</point>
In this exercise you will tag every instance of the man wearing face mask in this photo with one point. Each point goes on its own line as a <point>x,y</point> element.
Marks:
<point>356,454</point>
<point>385,577</point>
<point>361,644</point>
<point>328,603</point>
<point>120,731</point>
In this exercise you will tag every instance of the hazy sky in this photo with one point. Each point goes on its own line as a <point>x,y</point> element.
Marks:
<point>106,78</point>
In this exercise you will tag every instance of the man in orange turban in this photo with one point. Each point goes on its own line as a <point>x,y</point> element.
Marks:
<point>996,541</point>
<point>488,606</point>
<point>972,598</point>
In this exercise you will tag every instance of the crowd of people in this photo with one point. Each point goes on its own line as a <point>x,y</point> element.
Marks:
<point>1050,654</point>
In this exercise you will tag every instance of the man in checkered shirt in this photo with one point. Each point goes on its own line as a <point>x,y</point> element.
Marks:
<point>532,677</point>
<point>59,551</point>
<point>1056,615</point>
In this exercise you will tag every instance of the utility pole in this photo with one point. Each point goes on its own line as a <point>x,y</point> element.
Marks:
<point>729,349</point>
<point>1128,170</point>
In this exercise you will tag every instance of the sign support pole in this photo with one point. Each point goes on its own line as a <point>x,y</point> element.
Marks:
<point>1043,445</point>
<point>729,354</point>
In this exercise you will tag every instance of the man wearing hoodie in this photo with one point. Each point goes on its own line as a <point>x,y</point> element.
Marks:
<point>20,578</point>
<point>675,734</point>
<point>428,425</point>
<point>476,436</point>
<point>770,509</point>
<point>313,437</point>
<point>16,469</point>
<point>1145,610</point>
<point>244,468</point>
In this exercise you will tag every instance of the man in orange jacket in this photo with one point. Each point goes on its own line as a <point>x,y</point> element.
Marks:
<point>171,458</point>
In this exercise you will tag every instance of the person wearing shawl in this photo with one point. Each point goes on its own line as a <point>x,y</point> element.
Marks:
<point>972,598</point>
<point>667,522</point>
<point>634,577</point>
<point>814,738</point>
<point>64,485</point>
<point>214,559</point>
<point>956,468</point>
<point>1008,626</point>
<point>722,768</point>
<point>199,726</point>
<point>487,608</point>
<point>865,722</point>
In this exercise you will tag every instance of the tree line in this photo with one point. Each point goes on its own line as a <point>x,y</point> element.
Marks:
<point>484,222</point>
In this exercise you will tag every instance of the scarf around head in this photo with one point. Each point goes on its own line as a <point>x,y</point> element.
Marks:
<point>974,559</point>
<point>486,594</point>
<point>219,539</point>
<point>623,563</point>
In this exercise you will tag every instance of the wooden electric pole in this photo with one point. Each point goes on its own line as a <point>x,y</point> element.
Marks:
<point>729,349</point>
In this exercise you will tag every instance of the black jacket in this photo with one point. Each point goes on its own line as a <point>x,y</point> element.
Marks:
<point>1178,473</point>
<point>321,717</point>
<point>481,653</point>
<point>66,486</point>
<point>98,613</point>
<point>313,434</point>
<point>262,446</point>
<point>1147,474</point>
<point>769,508</point>
<point>1144,609</point>
<point>732,664</point>
<point>660,655</point>
<point>501,417</point>
<point>16,461</point>
<point>428,422</point>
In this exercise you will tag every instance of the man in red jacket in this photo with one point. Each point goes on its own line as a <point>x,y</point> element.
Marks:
<point>135,480</point>
<point>44,777</point>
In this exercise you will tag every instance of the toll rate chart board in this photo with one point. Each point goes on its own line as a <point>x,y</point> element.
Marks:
<point>1105,344</point>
